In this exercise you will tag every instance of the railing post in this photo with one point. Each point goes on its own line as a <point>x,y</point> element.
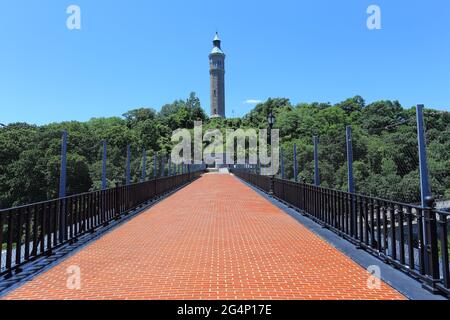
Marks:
<point>431,245</point>
<point>104,159</point>
<point>425,190</point>
<point>295,163</point>
<point>128,169</point>
<point>316,161</point>
<point>144,166</point>
<point>282,163</point>
<point>423,165</point>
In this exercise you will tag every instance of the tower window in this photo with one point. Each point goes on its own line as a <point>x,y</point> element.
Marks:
<point>215,93</point>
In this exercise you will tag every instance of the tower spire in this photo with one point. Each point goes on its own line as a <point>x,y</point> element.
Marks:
<point>217,40</point>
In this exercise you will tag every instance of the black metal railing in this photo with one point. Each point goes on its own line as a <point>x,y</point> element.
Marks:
<point>412,238</point>
<point>35,230</point>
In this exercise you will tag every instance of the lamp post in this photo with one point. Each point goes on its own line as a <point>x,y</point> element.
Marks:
<point>271,121</point>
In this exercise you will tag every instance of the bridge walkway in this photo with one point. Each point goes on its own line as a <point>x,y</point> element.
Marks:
<point>214,239</point>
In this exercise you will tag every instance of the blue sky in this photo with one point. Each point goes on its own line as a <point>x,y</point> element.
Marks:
<point>145,53</point>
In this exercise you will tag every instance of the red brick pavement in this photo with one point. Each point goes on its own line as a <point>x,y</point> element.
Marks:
<point>214,239</point>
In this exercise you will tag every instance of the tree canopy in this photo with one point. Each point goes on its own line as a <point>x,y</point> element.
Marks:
<point>384,144</point>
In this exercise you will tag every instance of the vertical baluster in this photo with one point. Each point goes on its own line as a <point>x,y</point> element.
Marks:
<point>110,204</point>
<point>82,213</point>
<point>366,221</point>
<point>55,222</point>
<point>87,206</point>
<point>311,200</point>
<point>43,227</point>
<point>333,208</point>
<point>78,216</point>
<point>348,221</point>
<point>421,243</point>
<point>88,211</point>
<point>2,223</point>
<point>341,212</point>
<point>393,210</point>
<point>378,215</point>
<point>330,208</point>
<point>70,212</point>
<point>345,211</point>
<point>385,229</point>
<point>372,224</point>
<point>401,235</point>
<point>409,219</point>
<point>444,249</point>
<point>317,201</point>
<point>351,200</point>
<point>320,204</point>
<point>104,201</point>
<point>19,215</point>
<point>93,210</point>
<point>100,200</point>
<point>27,232</point>
<point>9,241</point>
<point>35,230</point>
<point>73,216</point>
<point>431,236</point>
<point>343,208</point>
<point>361,221</point>
<point>323,204</point>
<point>49,221</point>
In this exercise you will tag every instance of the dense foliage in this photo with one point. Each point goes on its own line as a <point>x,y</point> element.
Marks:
<point>385,146</point>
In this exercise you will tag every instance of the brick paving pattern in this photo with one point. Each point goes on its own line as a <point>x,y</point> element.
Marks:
<point>214,239</point>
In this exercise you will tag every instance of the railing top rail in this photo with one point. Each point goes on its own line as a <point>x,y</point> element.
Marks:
<point>443,213</point>
<point>412,206</point>
<point>52,200</point>
<point>25,206</point>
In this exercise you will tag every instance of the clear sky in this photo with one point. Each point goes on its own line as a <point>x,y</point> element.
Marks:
<point>145,53</point>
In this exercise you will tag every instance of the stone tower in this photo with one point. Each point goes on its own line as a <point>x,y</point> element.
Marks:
<point>217,75</point>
